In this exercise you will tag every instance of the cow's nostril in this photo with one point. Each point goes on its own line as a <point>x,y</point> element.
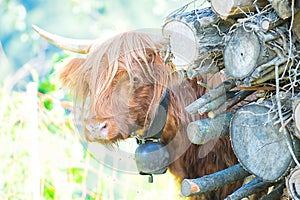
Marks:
<point>98,130</point>
<point>103,125</point>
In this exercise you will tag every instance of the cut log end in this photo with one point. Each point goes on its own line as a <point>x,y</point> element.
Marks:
<point>241,53</point>
<point>205,130</point>
<point>258,143</point>
<point>265,24</point>
<point>222,8</point>
<point>293,184</point>
<point>193,129</point>
<point>211,115</point>
<point>234,7</point>
<point>188,188</point>
<point>182,41</point>
<point>213,181</point>
<point>297,116</point>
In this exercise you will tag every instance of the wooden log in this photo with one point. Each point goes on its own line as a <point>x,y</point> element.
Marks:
<point>265,24</point>
<point>276,193</point>
<point>234,7</point>
<point>181,30</point>
<point>230,103</point>
<point>216,103</point>
<point>210,96</point>
<point>266,71</point>
<point>205,66</point>
<point>257,142</point>
<point>296,25</point>
<point>202,131</point>
<point>283,7</point>
<point>268,67</point>
<point>241,53</point>
<point>268,76</point>
<point>262,22</point>
<point>293,184</point>
<point>244,52</point>
<point>297,115</point>
<point>192,34</point>
<point>210,182</point>
<point>253,187</point>
<point>269,20</point>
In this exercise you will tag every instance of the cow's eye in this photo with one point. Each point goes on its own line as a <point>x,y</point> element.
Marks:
<point>150,57</point>
<point>135,79</point>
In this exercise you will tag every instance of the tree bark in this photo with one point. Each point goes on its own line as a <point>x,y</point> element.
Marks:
<point>229,103</point>
<point>202,131</point>
<point>253,187</point>
<point>296,25</point>
<point>283,7</point>
<point>216,103</point>
<point>210,96</point>
<point>269,76</point>
<point>276,193</point>
<point>210,182</point>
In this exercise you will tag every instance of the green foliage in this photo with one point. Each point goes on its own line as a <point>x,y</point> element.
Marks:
<point>77,174</point>
<point>48,83</point>
<point>66,170</point>
<point>54,153</point>
<point>48,190</point>
<point>48,104</point>
<point>59,58</point>
<point>46,87</point>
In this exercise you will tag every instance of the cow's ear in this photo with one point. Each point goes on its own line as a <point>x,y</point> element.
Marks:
<point>69,73</point>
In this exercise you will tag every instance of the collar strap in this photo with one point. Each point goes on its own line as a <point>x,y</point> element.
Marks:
<point>157,125</point>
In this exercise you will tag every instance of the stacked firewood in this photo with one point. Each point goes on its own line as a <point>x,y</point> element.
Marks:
<point>256,44</point>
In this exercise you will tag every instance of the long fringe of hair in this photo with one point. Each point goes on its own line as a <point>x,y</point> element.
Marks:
<point>92,79</point>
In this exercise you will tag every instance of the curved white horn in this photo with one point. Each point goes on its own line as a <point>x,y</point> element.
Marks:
<point>74,45</point>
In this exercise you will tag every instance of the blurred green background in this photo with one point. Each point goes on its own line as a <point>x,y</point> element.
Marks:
<point>41,156</point>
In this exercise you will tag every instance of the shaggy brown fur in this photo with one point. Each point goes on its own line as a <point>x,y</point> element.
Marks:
<point>121,83</point>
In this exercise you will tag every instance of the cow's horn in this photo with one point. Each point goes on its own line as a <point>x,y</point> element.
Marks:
<point>74,45</point>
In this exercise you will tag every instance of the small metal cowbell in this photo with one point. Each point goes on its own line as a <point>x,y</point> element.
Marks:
<point>152,158</point>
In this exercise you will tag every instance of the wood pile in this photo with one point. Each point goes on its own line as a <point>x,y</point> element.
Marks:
<point>256,44</point>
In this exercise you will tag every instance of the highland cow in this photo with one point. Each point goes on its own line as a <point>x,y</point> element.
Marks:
<point>119,86</point>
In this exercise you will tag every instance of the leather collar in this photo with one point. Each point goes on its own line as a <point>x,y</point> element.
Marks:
<point>157,125</point>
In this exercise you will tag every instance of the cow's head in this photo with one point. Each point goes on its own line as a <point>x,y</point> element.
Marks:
<point>118,86</point>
